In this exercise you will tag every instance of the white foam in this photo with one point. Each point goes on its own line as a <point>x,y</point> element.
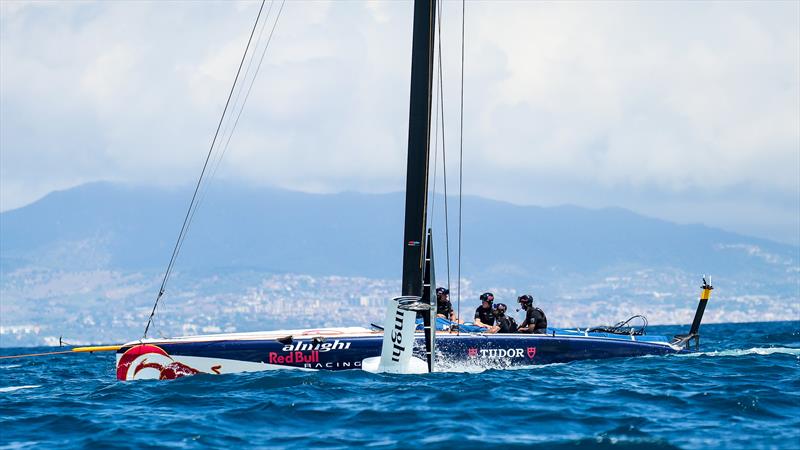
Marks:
<point>11,366</point>
<point>749,351</point>
<point>17,388</point>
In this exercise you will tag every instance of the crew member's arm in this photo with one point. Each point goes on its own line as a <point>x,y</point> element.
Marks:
<point>525,326</point>
<point>502,326</point>
<point>478,322</point>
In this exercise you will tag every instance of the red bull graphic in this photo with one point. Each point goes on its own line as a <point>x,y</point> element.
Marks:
<point>150,361</point>
<point>294,358</point>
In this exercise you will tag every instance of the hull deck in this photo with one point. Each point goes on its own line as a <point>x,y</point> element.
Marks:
<point>346,348</point>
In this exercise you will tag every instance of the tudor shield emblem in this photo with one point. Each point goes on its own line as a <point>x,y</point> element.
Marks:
<point>531,352</point>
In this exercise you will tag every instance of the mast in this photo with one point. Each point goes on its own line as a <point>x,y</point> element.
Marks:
<point>419,127</point>
<point>429,297</point>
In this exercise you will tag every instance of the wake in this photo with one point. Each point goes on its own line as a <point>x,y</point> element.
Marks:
<point>744,352</point>
<point>17,388</point>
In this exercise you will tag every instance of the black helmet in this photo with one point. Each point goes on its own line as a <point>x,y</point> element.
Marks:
<point>442,291</point>
<point>499,309</point>
<point>487,297</point>
<point>525,300</point>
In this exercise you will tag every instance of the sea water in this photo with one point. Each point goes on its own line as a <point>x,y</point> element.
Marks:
<point>741,391</point>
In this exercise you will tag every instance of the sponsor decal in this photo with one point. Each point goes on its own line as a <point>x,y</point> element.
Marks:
<point>502,353</point>
<point>333,365</point>
<point>301,346</point>
<point>294,358</point>
<point>397,335</point>
<point>145,356</point>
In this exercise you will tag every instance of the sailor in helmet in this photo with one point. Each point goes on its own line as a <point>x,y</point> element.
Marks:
<point>535,320</point>
<point>483,315</point>
<point>444,308</point>
<point>502,322</point>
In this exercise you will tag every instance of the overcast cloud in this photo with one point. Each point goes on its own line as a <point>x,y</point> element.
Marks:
<point>686,111</point>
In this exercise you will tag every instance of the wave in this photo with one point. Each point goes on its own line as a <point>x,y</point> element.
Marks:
<point>11,366</point>
<point>743,352</point>
<point>16,388</point>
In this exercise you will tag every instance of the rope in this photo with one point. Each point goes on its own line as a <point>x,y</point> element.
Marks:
<point>218,160</point>
<point>432,203</point>
<point>444,154</point>
<point>28,355</point>
<point>252,80</point>
<point>461,155</point>
<point>187,218</point>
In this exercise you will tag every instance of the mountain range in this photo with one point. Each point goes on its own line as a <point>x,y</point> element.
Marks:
<point>123,227</point>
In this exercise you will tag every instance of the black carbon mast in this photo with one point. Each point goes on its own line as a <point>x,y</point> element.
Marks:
<point>419,131</point>
<point>419,128</point>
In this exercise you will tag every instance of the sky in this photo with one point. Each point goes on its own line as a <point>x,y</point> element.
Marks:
<point>685,111</point>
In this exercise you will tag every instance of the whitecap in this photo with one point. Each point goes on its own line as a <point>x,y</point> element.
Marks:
<point>19,445</point>
<point>16,388</point>
<point>11,366</point>
<point>749,351</point>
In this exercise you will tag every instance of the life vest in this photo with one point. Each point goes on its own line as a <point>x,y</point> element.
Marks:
<point>540,323</point>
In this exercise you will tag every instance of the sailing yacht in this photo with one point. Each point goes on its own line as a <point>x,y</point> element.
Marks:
<point>400,345</point>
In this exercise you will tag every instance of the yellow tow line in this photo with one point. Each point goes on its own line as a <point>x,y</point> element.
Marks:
<point>99,348</point>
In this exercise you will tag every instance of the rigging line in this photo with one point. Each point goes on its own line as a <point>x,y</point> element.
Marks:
<point>444,154</point>
<point>461,153</point>
<point>204,189</point>
<point>182,233</point>
<point>252,81</point>
<point>218,160</point>
<point>440,101</point>
<point>217,157</point>
<point>218,137</point>
<point>432,203</point>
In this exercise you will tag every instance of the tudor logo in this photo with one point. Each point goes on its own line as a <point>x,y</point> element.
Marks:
<point>501,353</point>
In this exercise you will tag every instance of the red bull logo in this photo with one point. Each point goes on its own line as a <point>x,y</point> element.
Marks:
<point>294,358</point>
<point>150,361</point>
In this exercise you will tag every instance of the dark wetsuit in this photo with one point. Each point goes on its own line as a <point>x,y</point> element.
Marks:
<point>486,316</point>
<point>444,308</point>
<point>506,324</point>
<point>535,320</point>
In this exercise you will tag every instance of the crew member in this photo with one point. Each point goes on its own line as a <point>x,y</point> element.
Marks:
<point>535,320</point>
<point>444,308</point>
<point>502,322</point>
<point>483,315</point>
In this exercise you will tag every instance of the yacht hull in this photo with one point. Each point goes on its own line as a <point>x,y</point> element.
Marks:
<point>345,349</point>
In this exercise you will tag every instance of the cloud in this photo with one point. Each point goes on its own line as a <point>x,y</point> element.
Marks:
<point>645,105</point>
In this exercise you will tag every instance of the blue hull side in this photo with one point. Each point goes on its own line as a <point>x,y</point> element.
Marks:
<point>453,350</point>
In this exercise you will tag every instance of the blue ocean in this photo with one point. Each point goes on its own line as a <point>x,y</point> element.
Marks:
<point>741,391</point>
